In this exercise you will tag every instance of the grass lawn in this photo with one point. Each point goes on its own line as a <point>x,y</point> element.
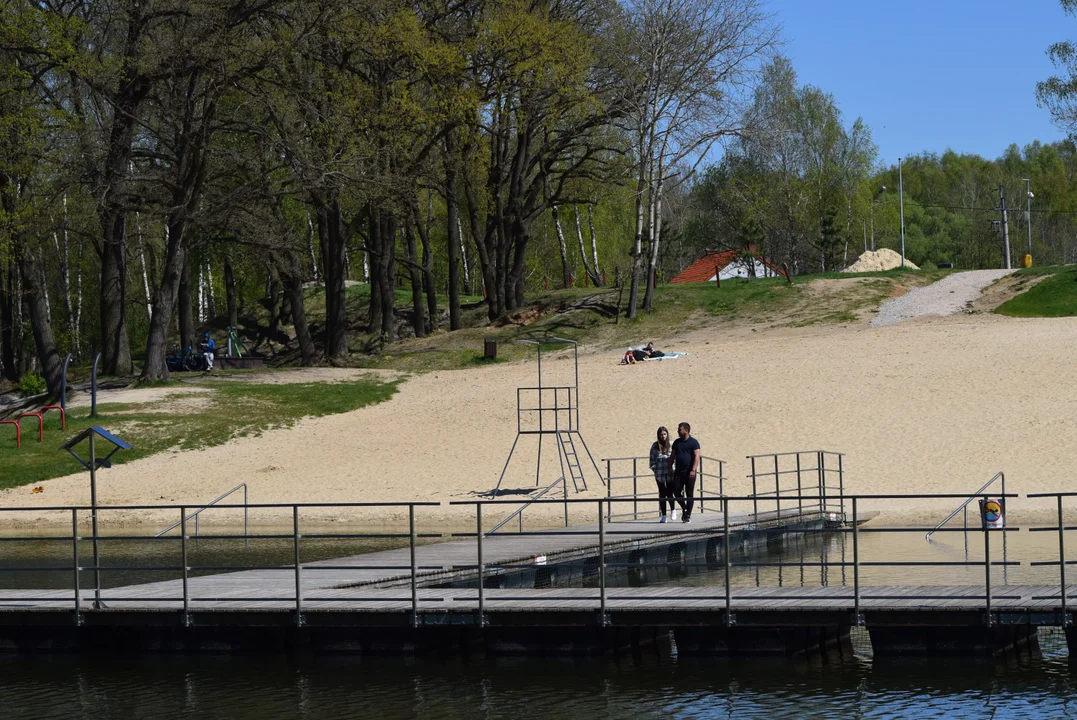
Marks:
<point>590,316</point>
<point>230,409</point>
<point>1054,296</point>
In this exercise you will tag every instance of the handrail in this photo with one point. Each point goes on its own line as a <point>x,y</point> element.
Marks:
<point>962,506</point>
<point>520,510</point>
<point>211,503</point>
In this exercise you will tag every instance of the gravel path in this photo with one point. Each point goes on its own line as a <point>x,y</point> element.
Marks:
<point>946,297</point>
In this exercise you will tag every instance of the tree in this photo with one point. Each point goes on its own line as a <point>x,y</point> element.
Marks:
<point>685,63</point>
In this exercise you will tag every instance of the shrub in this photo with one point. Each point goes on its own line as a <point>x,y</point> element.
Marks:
<point>32,384</point>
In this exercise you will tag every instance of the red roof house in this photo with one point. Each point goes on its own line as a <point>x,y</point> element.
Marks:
<point>725,264</point>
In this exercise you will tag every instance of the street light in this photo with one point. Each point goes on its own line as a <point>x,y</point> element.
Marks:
<point>1028,221</point>
<point>92,465</point>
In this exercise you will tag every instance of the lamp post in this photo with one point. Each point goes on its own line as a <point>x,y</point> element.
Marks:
<point>901,202</point>
<point>1028,220</point>
<point>91,465</point>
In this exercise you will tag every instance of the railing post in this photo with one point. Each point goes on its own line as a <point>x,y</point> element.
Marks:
<point>800,489</point>
<point>246,518</point>
<point>701,476</point>
<point>987,572</point>
<point>635,489</point>
<point>414,569</point>
<point>609,491</point>
<point>482,569</point>
<point>75,560</point>
<point>1062,562</point>
<point>822,482</point>
<point>755,494</point>
<point>856,566</point>
<point>601,567</point>
<point>841,484</point>
<point>298,588</point>
<point>725,540</point>
<point>777,488</point>
<point>564,487</point>
<point>183,562</point>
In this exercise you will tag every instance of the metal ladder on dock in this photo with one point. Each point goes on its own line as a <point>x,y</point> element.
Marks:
<point>571,459</point>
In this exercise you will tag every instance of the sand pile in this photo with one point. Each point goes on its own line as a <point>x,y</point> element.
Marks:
<point>884,259</point>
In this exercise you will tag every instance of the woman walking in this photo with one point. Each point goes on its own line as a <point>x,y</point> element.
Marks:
<point>660,452</point>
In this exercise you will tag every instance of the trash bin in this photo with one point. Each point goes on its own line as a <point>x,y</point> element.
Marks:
<point>489,349</point>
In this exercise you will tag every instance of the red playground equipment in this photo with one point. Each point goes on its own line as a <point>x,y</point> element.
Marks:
<point>40,415</point>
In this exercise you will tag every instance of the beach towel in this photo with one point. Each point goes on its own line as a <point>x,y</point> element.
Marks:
<point>667,356</point>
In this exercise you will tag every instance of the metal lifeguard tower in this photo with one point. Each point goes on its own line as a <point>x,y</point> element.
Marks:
<point>552,410</point>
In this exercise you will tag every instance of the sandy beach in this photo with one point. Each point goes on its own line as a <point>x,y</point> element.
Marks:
<point>929,405</point>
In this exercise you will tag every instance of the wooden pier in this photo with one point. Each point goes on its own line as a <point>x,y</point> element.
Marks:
<point>502,594</point>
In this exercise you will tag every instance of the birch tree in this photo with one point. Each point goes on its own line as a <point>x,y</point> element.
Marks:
<point>687,64</point>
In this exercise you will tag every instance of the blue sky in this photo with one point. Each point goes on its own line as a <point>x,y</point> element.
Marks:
<point>957,74</point>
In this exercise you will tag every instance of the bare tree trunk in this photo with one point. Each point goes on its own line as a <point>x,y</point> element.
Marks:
<point>212,302</point>
<point>186,309</point>
<point>44,284</point>
<point>656,237</point>
<point>142,260</point>
<point>418,320</point>
<point>387,276</point>
<point>374,241</point>
<point>64,254</point>
<point>315,272</point>
<point>637,248</point>
<point>334,256</point>
<point>453,231</point>
<point>230,293</point>
<point>292,281</point>
<point>591,270</point>
<point>428,265</point>
<point>78,301</point>
<point>8,300</point>
<point>566,273</point>
<point>463,256</point>
<point>174,276</point>
<point>40,324</point>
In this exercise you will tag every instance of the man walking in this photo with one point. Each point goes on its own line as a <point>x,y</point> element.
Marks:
<point>684,462</point>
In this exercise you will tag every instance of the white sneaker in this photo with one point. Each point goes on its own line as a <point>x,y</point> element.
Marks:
<point>662,519</point>
<point>673,516</point>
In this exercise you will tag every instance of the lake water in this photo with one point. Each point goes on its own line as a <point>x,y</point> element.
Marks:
<point>213,686</point>
<point>647,686</point>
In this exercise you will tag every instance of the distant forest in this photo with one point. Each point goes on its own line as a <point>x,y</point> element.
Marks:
<point>166,163</point>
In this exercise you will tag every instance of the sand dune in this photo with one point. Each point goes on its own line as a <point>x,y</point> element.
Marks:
<point>934,405</point>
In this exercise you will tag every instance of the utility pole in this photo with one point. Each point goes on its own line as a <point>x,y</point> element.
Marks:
<point>901,204</point>
<point>1005,225</point>
<point>1028,220</point>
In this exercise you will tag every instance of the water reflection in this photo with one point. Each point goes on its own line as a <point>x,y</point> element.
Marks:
<point>644,687</point>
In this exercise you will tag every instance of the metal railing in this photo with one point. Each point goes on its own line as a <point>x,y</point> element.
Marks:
<point>519,512</point>
<point>1062,562</point>
<point>594,551</point>
<point>963,507</point>
<point>816,481</point>
<point>748,524</point>
<point>642,464</point>
<point>211,503</point>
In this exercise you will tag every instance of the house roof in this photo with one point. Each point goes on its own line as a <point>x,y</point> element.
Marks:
<point>705,268</point>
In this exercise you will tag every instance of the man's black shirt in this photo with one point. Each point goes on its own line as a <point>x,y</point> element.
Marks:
<point>684,455</point>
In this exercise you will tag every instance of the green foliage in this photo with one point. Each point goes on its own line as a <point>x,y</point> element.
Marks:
<point>32,384</point>
<point>1054,296</point>
<point>235,409</point>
